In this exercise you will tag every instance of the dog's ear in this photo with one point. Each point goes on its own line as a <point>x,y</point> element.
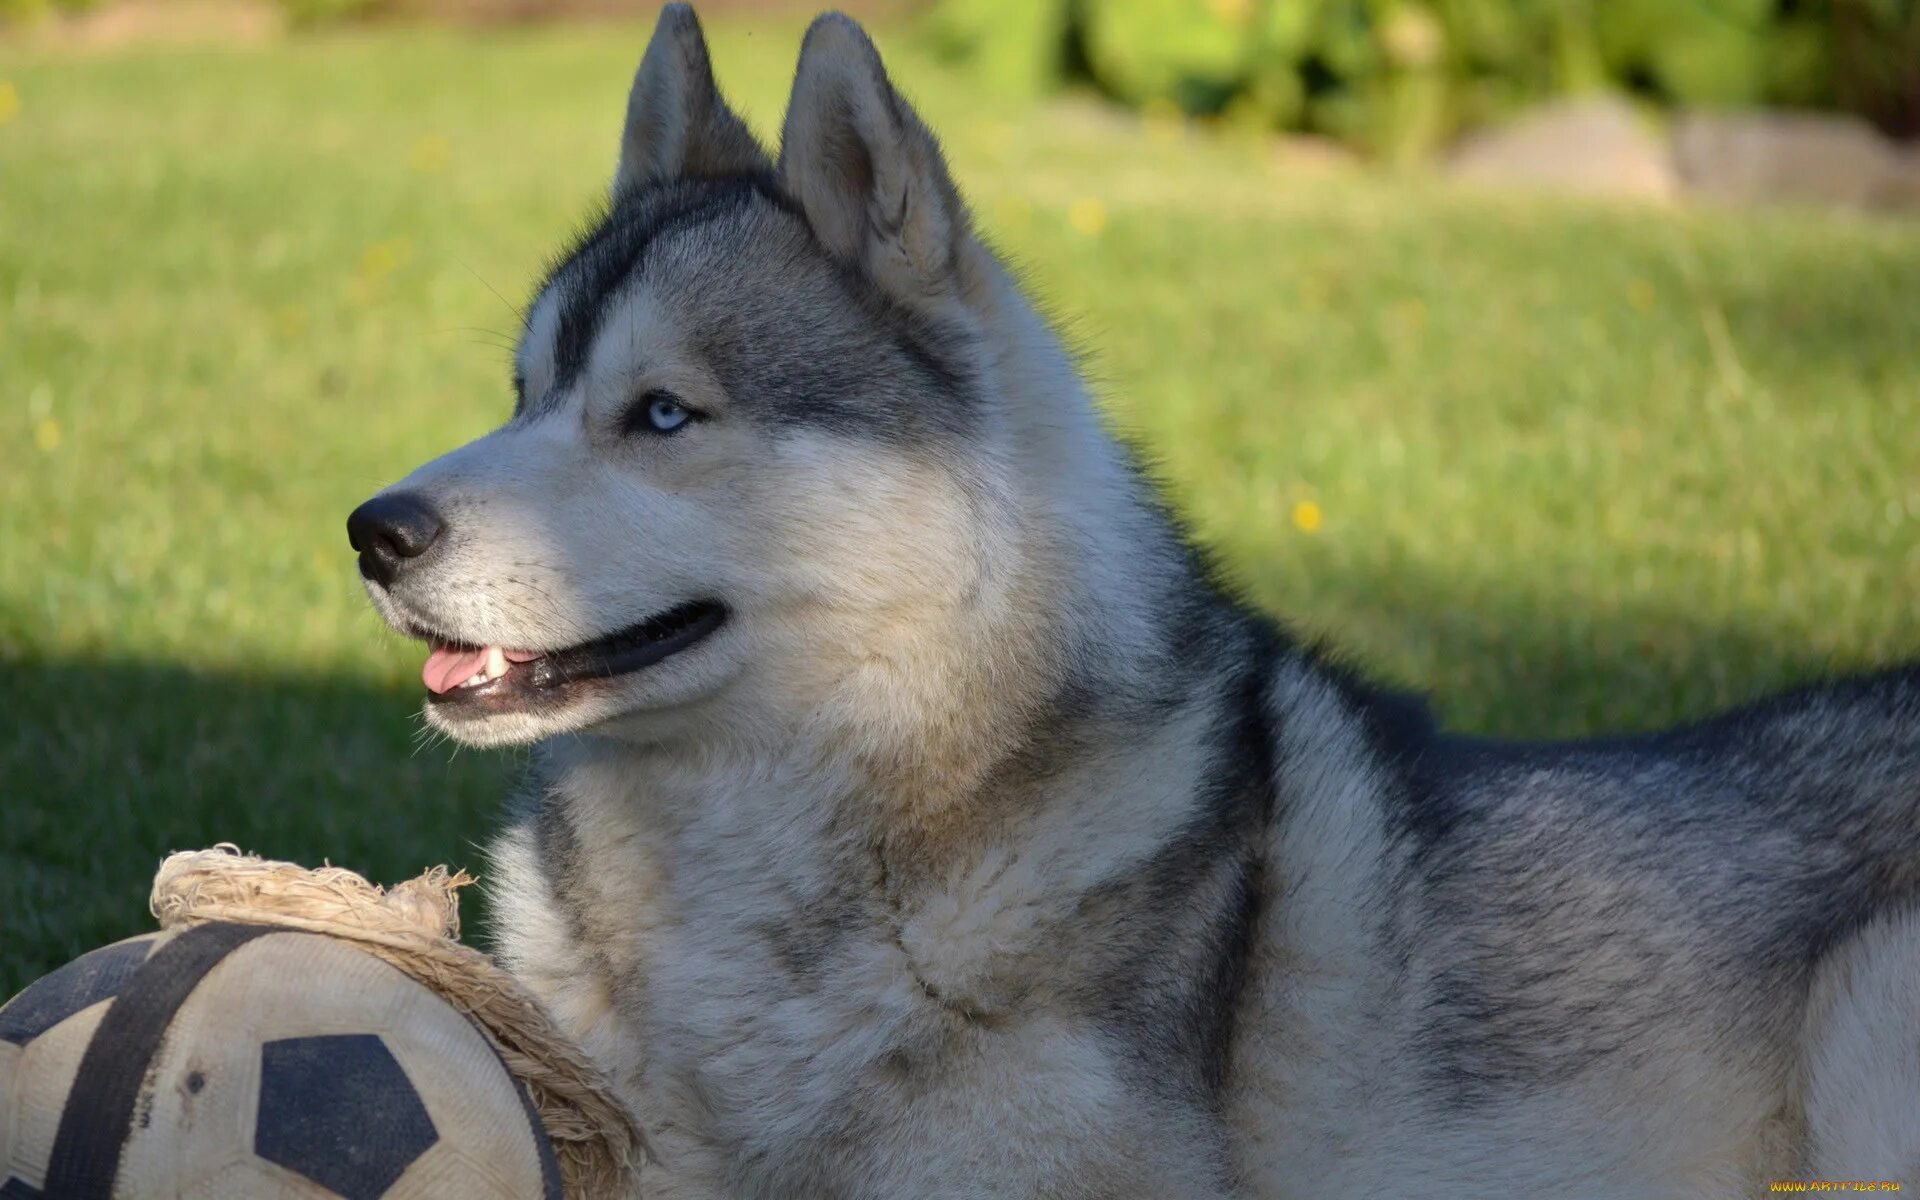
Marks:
<point>866,171</point>
<point>678,126</point>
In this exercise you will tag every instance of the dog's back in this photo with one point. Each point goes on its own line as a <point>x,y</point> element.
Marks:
<point>1628,967</point>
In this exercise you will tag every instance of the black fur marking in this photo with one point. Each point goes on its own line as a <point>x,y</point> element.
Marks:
<point>557,850</point>
<point>568,870</point>
<point>1173,999</point>
<point>831,350</point>
<point>805,941</point>
<point>1571,896</point>
<point>1243,793</point>
<point>614,252</point>
<point>838,352</point>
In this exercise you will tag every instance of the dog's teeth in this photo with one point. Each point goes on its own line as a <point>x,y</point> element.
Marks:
<point>496,662</point>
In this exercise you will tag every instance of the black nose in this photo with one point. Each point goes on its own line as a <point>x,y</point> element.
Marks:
<point>390,529</point>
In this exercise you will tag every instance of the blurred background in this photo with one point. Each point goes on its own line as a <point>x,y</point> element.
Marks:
<point>1558,357</point>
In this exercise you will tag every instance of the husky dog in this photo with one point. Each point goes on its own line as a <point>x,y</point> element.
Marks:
<point>913,816</point>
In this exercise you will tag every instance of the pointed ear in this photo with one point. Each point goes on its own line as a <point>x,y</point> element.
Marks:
<point>866,171</point>
<point>678,126</point>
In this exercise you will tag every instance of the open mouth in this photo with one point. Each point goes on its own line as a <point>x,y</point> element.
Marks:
<point>456,672</point>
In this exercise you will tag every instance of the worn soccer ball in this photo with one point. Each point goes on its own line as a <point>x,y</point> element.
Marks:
<point>246,1062</point>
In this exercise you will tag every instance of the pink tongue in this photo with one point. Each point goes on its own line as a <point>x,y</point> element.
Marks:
<point>447,668</point>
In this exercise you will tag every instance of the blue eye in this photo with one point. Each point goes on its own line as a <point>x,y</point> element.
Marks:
<point>657,412</point>
<point>665,415</point>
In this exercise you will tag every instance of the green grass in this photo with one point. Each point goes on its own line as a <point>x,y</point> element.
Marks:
<point>1580,467</point>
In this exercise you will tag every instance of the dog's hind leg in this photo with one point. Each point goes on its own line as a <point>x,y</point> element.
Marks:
<point>1862,1099</point>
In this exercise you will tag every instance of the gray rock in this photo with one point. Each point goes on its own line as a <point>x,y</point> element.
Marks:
<point>1790,157</point>
<point>1597,146</point>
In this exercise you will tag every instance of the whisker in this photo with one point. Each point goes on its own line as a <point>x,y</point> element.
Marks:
<point>518,314</point>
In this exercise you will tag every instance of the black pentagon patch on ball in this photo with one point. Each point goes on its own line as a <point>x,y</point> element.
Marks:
<point>82,983</point>
<point>340,1110</point>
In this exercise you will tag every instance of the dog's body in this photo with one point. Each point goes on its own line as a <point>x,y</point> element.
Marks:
<point>930,825</point>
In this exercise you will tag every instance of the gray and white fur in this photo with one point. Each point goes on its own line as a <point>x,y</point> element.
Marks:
<point>958,835</point>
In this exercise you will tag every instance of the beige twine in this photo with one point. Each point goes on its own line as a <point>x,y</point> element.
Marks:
<point>413,926</point>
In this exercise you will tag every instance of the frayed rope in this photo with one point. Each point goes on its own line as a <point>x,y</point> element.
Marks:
<point>412,926</point>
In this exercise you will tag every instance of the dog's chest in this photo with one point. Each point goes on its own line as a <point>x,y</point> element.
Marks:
<point>739,967</point>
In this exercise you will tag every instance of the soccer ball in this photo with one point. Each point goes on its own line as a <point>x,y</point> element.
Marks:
<point>248,1062</point>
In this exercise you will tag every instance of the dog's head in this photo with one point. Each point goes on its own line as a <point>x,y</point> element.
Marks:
<point>747,440</point>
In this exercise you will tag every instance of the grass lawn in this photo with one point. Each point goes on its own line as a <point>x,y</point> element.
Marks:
<point>1574,467</point>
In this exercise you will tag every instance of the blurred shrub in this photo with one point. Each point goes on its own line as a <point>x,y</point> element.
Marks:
<point>1876,61</point>
<point>22,11</point>
<point>1012,45</point>
<point>314,12</point>
<point>1398,76</point>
